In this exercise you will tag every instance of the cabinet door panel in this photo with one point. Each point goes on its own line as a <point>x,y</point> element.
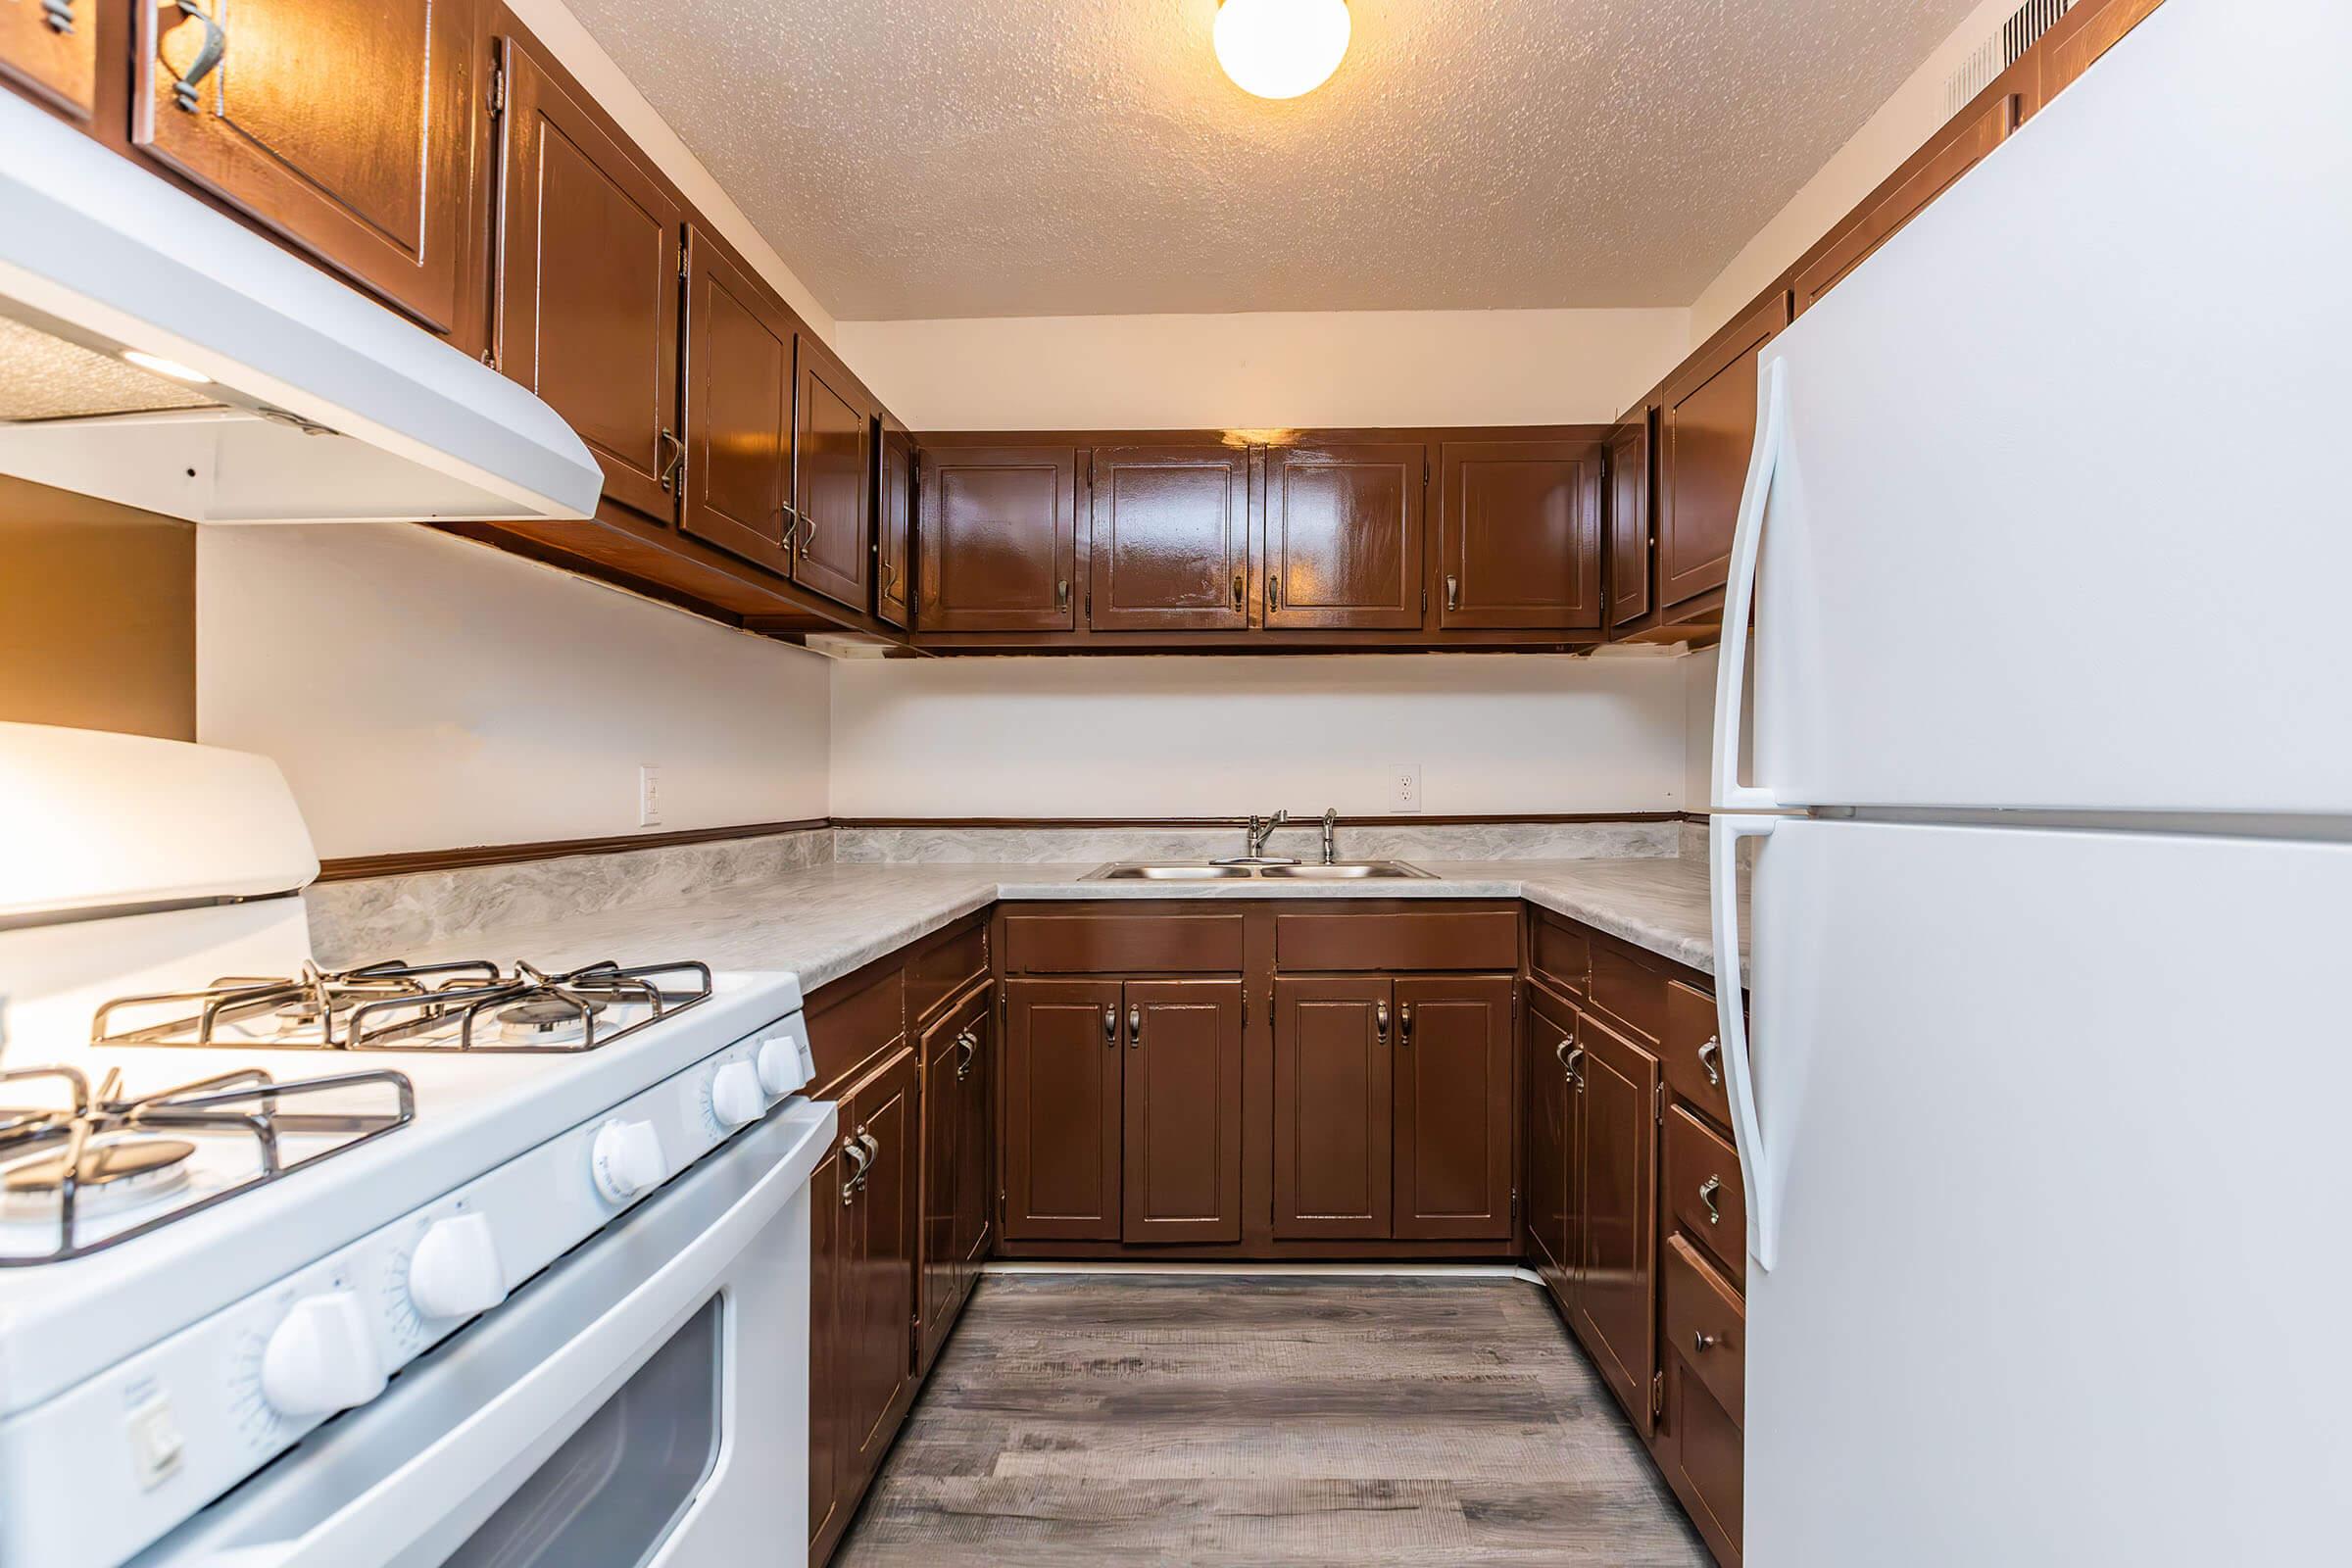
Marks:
<point>1705,428</point>
<point>589,245</point>
<point>1342,536</point>
<point>738,409</point>
<point>1169,538</point>
<point>1616,1284</point>
<point>1630,525</point>
<point>49,49</point>
<point>975,1147</point>
<point>998,538</point>
<point>1062,1091</point>
<point>1454,1109</point>
<point>827,1351</point>
<point>940,1261</point>
<point>894,519</point>
<point>347,125</point>
<point>884,1221</point>
<point>1550,1032</point>
<point>831,451</point>
<point>1519,534</point>
<point>1182,1127</point>
<point>1333,1108</point>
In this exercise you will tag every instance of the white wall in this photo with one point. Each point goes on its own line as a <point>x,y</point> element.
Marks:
<point>1269,369</point>
<point>423,693</point>
<point>1218,737</point>
<point>1893,133</point>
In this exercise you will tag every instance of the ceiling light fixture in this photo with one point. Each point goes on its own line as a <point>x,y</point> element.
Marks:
<point>1281,48</point>
<point>163,367</point>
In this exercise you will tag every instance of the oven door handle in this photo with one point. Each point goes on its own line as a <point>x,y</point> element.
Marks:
<point>537,1411</point>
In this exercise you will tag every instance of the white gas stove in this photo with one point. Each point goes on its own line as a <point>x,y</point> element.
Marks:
<point>239,1194</point>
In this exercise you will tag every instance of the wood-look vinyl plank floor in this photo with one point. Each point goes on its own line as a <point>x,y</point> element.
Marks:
<point>1228,1420</point>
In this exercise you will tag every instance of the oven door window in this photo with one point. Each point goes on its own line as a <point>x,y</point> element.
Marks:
<point>612,1493</point>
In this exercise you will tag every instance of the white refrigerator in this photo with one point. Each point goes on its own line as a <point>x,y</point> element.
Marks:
<point>2045,1111</point>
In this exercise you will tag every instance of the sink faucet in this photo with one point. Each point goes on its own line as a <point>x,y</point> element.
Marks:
<point>1261,828</point>
<point>1331,829</point>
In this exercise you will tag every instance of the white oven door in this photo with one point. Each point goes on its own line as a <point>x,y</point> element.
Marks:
<point>644,1401</point>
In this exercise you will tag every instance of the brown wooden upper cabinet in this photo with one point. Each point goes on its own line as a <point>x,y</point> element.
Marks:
<point>1169,538</point>
<point>49,51</point>
<point>739,381</point>
<point>1519,535</point>
<point>1952,152</point>
<point>894,525</point>
<point>998,538</point>
<point>1629,523</point>
<point>1706,427</point>
<point>348,126</point>
<point>589,246</point>
<point>1344,536</point>
<point>832,469</point>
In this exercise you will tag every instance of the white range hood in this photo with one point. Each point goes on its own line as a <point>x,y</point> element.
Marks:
<point>313,404</point>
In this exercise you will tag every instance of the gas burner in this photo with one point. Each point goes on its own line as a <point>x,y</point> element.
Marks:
<point>107,1156</point>
<point>115,1173</point>
<point>404,1006</point>
<point>549,1020</point>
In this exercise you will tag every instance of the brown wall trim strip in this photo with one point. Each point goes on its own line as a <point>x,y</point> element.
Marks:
<point>402,863</point>
<point>355,867</point>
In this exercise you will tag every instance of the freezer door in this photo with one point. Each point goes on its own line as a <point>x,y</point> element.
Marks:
<point>2056,1121</point>
<point>2059,514</point>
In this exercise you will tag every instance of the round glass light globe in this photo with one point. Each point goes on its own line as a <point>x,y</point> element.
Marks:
<point>1281,48</point>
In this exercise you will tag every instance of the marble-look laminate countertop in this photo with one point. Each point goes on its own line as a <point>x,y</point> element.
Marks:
<point>824,921</point>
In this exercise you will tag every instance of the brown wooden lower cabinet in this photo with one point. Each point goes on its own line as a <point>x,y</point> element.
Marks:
<point>958,1199</point>
<point>1062,1100</point>
<point>1702,1376</point>
<point>1333,1176</point>
<point>1455,1108</point>
<point>1181,1137</point>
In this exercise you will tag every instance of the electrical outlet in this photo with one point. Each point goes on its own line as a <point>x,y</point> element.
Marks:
<point>649,795</point>
<point>1405,786</point>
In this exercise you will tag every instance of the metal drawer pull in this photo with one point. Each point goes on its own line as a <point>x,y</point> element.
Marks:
<point>1237,593</point>
<point>1380,1020</point>
<point>208,56</point>
<point>1702,1342</point>
<point>1135,1027</point>
<point>1061,593</point>
<point>1110,1026</point>
<point>1706,1194</point>
<point>1453,593</point>
<point>1710,1056</point>
<point>1273,592</point>
<point>1404,1024</point>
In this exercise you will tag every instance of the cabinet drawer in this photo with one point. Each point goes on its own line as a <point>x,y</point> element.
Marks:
<point>1707,1325</point>
<point>942,968</point>
<point>1704,1192</point>
<point>1436,939</point>
<point>853,1020</point>
<point>1123,944</point>
<point>1559,955</point>
<point>1705,1454</point>
<point>1628,991</point>
<point>1692,1053</point>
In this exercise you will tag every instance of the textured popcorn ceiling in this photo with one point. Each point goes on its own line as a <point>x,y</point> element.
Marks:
<point>926,158</point>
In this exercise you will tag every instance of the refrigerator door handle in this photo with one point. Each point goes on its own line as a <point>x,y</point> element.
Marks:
<point>1730,1023</point>
<point>1739,597</point>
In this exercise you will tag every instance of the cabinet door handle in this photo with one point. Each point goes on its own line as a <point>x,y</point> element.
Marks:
<point>1273,592</point>
<point>673,456</point>
<point>1404,1024</point>
<point>1560,1052</point>
<point>1710,1057</point>
<point>59,14</point>
<point>1110,1026</point>
<point>208,56</point>
<point>1702,1342</point>
<point>1237,592</point>
<point>1380,1022</point>
<point>1061,593</point>
<point>1706,1194</point>
<point>1576,1074</point>
<point>852,1149</point>
<point>970,1048</point>
<point>1453,593</point>
<point>1135,1027</point>
<point>808,530</point>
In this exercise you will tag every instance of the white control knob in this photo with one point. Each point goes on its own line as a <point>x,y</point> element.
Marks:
<point>783,1064</point>
<point>626,1160</point>
<point>455,1270</point>
<point>735,1096</point>
<point>321,1358</point>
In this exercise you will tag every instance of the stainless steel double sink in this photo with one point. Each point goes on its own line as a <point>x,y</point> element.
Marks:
<point>1212,871</point>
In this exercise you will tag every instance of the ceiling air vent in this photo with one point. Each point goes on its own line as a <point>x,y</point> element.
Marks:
<point>1998,52</point>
